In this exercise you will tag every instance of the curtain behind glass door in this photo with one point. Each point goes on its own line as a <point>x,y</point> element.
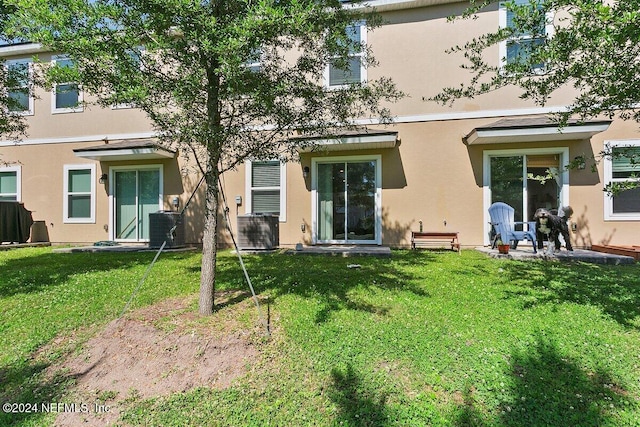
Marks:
<point>546,193</point>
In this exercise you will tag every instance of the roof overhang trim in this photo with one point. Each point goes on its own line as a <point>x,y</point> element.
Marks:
<point>116,153</point>
<point>353,142</point>
<point>504,135</point>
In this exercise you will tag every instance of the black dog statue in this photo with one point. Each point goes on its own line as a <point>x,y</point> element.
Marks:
<point>552,225</point>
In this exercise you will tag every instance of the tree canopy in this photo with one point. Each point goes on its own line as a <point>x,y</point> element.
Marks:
<point>226,81</point>
<point>590,46</point>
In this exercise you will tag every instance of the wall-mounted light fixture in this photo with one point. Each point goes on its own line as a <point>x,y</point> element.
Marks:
<point>305,172</point>
<point>175,202</point>
<point>103,178</point>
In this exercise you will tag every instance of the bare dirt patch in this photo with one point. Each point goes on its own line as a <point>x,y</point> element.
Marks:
<point>155,351</point>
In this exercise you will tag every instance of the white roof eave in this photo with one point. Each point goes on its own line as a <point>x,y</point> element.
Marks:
<point>542,134</point>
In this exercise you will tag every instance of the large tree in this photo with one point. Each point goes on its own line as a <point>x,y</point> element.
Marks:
<point>226,80</point>
<point>592,46</point>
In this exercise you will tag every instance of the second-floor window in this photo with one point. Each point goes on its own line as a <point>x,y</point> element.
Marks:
<point>132,60</point>
<point>67,96</point>
<point>254,62</point>
<point>355,71</point>
<point>18,90</point>
<point>518,48</point>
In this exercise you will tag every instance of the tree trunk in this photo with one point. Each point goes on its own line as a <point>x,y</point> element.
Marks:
<point>210,236</point>
<point>209,246</point>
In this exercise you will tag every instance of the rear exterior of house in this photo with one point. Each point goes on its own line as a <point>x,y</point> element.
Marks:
<point>91,174</point>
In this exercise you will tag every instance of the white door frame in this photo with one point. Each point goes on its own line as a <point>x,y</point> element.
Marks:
<point>112,196</point>
<point>486,179</point>
<point>378,197</point>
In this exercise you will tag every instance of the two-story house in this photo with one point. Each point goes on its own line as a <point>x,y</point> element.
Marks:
<point>93,173</point>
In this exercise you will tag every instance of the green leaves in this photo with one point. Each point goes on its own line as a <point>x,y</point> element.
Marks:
<point>193,79</point>
<point>592,47</point>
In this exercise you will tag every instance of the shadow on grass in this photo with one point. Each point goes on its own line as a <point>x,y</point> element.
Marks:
<point>328,279</point>
<point>25,380</point>
<point>358,405</point>
<point>551,389</point>
<point>31,274</point>
<point>548,389</point>
<point>468,414</point>
<point>613,289</point>
<point>25,389</point>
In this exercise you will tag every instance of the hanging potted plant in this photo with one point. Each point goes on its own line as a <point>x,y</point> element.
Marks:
<point>503,248</point>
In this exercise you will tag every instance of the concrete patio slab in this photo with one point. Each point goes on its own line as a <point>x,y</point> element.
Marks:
<point>579,255</point>
<point>9,246</point>
<point>341,250</point>
<point>118,248</point>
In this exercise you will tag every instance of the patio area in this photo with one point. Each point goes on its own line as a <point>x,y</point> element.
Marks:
<point>342,250</point>
<point>119,248</point>
<point>525,253</point>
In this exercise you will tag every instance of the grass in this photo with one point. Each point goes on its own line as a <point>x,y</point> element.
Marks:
<point>420,339</point>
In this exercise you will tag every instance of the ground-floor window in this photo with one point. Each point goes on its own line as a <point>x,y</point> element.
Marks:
<point>347,200</point>
<point>10,184</point>
<point>623,167</point>
<point>515,177</point>
<point>79,193</point>
<point>265,193</point>
<point>136,193</point>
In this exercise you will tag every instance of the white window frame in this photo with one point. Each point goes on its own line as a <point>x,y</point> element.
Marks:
<point>378,197</point>
<point>502,22</point>
<point>609,215</point>
<point>54,109</point>
<point>65,194</point>
<point>18,171</point>
<point>282,188</point>
<point>361,55</point>
<point>30,110</point>
<point>486,178</point>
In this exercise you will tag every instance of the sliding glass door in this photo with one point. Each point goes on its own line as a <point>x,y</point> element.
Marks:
<point>527,181</point>
<point>346,206</point>
<point>136,195</point>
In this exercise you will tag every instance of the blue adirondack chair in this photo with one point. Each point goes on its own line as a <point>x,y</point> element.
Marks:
<point>502,220</point>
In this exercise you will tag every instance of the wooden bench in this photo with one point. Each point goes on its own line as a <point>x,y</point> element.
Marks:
<point>435,239</point>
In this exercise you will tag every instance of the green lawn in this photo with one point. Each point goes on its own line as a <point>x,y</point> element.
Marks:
<point>422,338</point>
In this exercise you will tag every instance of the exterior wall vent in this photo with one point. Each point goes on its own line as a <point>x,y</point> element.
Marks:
<point>258,232</point>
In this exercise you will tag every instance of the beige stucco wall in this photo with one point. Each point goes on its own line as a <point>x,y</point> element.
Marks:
<point>92,122</point>
<point>430,176</point>
<point>412,47</point>
<point>42,173</point>
<point>433,177</point>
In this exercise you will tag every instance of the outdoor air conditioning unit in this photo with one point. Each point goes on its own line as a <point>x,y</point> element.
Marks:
<point>160,225</point>
<point>258,232</point>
